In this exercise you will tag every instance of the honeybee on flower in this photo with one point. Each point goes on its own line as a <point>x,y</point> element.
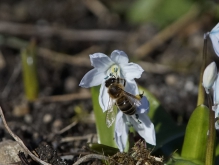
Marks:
<point>116,74</point>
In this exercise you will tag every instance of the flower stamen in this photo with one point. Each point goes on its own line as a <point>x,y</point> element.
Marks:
<point>114,71</point>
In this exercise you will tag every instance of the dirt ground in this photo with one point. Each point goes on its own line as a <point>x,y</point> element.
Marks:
<point>66,32</point>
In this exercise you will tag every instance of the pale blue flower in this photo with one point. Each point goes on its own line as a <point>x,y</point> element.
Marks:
<point>141,123</point>
<point>117,65</point>
<point>216,101</point>
<point>214,36</point>
<point>104,67</point>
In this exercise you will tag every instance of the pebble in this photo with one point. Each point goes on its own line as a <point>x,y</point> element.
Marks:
<point>57,125</point>
<point>20,110</point>
<point>171,80</point>
<point>71,84</point>
<point>28,118</point>
<point>47,118</point>
<point>9,152</point>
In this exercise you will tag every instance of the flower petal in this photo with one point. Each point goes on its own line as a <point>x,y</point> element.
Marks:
<point>92,78</point>
<point>121,131</point>
<point>214,36</point>
<point>131,87</point>
<point>101,61</point>
<point>216,116</point>
<point>103,97</point>
<point>144,107</point>
<point>215,42</point>
<point>216,90</point>
<point>119,57</point>
<point>144,127</point>
<point>131,71</point>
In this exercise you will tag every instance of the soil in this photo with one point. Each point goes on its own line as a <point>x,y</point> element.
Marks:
<point>39,122</point>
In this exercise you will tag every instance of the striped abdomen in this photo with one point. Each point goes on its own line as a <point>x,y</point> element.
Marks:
<point>125,105</point>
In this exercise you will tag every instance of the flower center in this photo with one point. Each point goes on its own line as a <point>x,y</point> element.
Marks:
<point>113,71</point>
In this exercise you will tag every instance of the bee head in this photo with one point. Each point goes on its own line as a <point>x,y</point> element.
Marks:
<point>110,81</point>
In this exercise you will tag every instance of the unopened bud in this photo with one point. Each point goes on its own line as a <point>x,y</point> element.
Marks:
<point>209,76</point>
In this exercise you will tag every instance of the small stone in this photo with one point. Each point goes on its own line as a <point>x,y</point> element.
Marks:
<point>20,110</point>
<point>171,79</point>
<point>47,118</point>
<point>189,86</point>
<point>9,152</point>
<point>28,118</point>
<point>71,84</point>
<point>57,125</point>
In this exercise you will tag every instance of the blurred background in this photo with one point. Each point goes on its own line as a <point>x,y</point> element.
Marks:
<point>165,37</point>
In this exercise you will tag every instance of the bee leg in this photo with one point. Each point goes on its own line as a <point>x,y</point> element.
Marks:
<point>137,117</point>
<point>141,95</point>
<point>124,83</point>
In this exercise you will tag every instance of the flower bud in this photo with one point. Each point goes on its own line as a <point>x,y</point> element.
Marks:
<point>209,76</point>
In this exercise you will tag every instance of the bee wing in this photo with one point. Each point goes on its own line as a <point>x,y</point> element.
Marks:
<point>134,100</point>
<point>110,114</point>
<point>110,118</point>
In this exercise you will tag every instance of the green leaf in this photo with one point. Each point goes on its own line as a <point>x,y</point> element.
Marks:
<point>178,160</point>
<point>30,79</point>
<point>161,12</point>
<point>185,162</point>
<point>142,10</point>
<point>195,141</point>
<point>165,127</point>
<point>103,149</point>
<point>105,134</point>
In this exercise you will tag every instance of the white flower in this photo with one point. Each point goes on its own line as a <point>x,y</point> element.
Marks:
<point>215,107</point>
<point>209,76</point>
<point>214,36</point>
<point>216,91</point>
<point>104,67</point>
<point>216,117</point>
<point>141,123</point>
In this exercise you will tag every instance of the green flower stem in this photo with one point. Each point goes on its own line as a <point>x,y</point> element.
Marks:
<point>105,134</point>
<point>201,91</point>
<point>211,137</point>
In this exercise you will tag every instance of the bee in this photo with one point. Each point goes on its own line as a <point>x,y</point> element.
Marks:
<point>124,101</point>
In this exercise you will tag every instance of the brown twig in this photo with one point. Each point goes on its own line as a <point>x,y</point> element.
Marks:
<point>88,157</point>
<point>80,59</point>
<point>160,68</point>
<point>20,142</point>
<point>2,61</point>
<point>65,34</point>
<point>167,33</point>
<point>101,11</point>
<point>64,58</point>
<point>11,81</point>
<point>76,138</point>
<point>67,128</point>
<point>68,97</point>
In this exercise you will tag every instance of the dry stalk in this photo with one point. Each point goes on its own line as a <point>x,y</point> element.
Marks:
<point>88,157</point>
<point>20,142</point>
